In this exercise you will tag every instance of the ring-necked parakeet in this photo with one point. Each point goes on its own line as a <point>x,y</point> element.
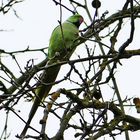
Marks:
<point>62,44</point>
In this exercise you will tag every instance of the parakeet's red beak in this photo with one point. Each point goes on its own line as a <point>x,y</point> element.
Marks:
<point>81,20</point>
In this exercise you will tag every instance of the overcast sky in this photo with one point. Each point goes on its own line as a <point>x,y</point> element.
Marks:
<point>37,19</point>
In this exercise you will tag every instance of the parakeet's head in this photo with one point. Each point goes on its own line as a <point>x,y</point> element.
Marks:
<point>76,20</point>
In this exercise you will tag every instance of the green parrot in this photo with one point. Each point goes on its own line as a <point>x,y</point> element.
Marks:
<point>61,46</point>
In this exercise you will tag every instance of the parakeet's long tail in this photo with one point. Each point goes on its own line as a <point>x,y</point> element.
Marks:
<point>47,80</point>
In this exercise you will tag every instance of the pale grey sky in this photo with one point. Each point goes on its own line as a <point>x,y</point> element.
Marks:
<point>38,19</point>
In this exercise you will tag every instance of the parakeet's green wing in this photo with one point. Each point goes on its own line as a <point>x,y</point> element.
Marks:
<point>61,46</point>
<point>65,38</point>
